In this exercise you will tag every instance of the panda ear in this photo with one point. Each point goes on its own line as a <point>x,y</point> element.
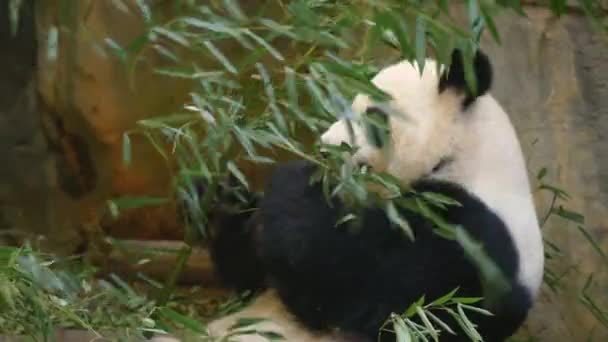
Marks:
<point>455,77</point>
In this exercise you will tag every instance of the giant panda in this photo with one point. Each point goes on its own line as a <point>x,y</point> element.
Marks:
<point>320,281</point>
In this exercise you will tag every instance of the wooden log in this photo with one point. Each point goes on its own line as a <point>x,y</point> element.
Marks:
<point>156,259</point>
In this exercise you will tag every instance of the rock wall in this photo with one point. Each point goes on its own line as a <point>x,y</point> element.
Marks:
<point>552,76</point>
<point>98,97</point>
<point>29,198</point>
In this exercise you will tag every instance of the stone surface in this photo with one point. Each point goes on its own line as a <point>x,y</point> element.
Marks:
<point>30,201</point>
<point>552,76</point>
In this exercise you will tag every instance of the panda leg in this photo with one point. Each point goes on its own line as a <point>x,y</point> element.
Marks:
<point>274,318</point>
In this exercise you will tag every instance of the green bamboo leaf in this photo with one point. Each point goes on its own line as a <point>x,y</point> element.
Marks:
<point>466,300</point>
<point>477,309</point>
<point>117,49</point>
<point>52,43</point>
<point>303,15</point>
<point>264,43</point>
<point>569,215</point>
<point>594,244</point>
<point>488,19</point>
<point>411,310</point>
<point>126,149</point>
<point>399,28</point>
<point>185,321</point>
<point>206,25</point>
<point>395,217</point>
<point>146,12</point>
<point>233,8</point>
<point>269,90</point>
<point>271,335</point>
<point>345,218</point>
<point>541,174</point>
<point>317,94</point>
<point>14,8</point>
<point>557,191</point>
<point>420,42</point>
<point>120,5</point>
<point>392,186</point>
<point>237,173</point>
<point>165,52</point>
<point>427,323</point>
<point>493,279</point>
<point>246,322</point>
<point>138,202</point>
<point>359,81</point>
<point>444,7</point>
<point>515,5</point>
<point>401,330</point>
<point>441,323</point>
<point>469,72</point>
<point>443,299</point>
<point>220,57</point>
<point>8,292</point>
<point>476,21</point>
<point>435,218</point>
<point>285,30</point>
<point>468,326</point>
<point>558,7</point>
<point>113,208</point>
<point>440,198</point>
<point>172,35</point>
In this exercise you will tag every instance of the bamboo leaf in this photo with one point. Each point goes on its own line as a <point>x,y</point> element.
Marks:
<point>186,321</point>
<point>274,52</point>
<point>401,330</point>
<point>443,299</point>
<point>220,57</point>
<point>488,19</point>
<point>146,12</point>
<point>171,35</point>
<point>420,43</point>
<point>237,173</point>
<point>52,43</point>
<point>427,323</point>
<point>138,202</point>
<point>558,7</point>
<point>234,9</point>
<point>269,90</point>
<point>569,215</point>
<point>126,149</point>
<point>396,218</point>
<point>594,244</point>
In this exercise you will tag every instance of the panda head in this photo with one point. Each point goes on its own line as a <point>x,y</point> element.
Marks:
<point>436,129</point>
<point>428,121</point>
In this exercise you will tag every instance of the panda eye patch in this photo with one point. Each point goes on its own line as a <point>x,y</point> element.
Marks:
<point>443,162</point>
<point>377,127</point>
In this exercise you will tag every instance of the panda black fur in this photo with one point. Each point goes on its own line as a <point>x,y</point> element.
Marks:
<point>327,284</point>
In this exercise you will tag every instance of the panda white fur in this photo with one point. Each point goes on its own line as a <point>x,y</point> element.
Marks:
<point>326,284</point>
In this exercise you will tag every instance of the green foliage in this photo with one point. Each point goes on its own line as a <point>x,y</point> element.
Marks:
<point>39,293</point>
<point>14,6</point>
<point>552,252</point>
<point>421,322</point>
